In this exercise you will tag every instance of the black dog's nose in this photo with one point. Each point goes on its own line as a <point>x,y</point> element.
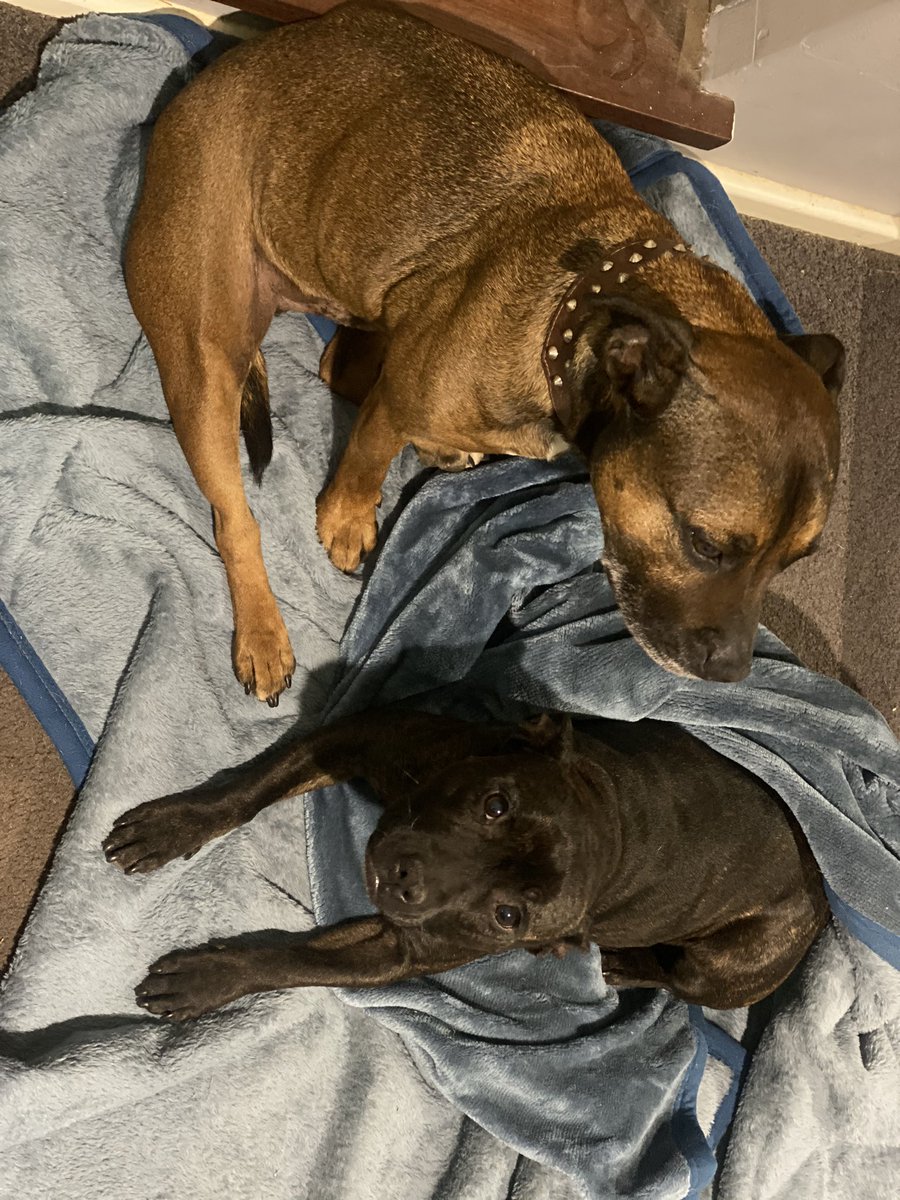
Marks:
<point>720,658</point>
<point>405,881</point>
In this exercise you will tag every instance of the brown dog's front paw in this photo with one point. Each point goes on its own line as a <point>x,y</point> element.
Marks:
<point>188,983</point>
<point>347,531</point>
<point>263,659</point>
<point>147,837</point>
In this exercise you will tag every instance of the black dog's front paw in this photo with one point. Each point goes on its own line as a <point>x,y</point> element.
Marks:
<point>632,968</point>
<point>188,983</point>
<point>147,837</point>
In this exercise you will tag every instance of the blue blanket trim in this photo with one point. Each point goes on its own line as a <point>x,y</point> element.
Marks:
<point>686,1131</point>
<point>324,326</point>
<point>885,944</point>
<point>75,746</point>
<point>727,1050</point>
<point>193,36</point>
<point>698,1150</point>
<point>44,697</point>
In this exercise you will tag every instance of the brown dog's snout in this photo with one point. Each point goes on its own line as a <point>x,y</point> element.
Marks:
<point>720,655</point>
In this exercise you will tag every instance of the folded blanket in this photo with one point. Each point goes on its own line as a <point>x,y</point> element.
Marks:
<point>514,1076</point>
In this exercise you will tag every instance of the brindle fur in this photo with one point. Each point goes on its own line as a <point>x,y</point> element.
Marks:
<point>687,871</point>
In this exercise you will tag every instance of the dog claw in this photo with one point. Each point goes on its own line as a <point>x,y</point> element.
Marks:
<point>288,680</point>
<point>262,658</point>
<point>348,531</point>
<point>187,983</point>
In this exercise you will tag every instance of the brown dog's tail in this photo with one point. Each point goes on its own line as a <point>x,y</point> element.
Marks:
<point>256,420</point>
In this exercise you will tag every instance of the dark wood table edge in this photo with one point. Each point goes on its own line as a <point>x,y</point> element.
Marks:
<point>705,126</point>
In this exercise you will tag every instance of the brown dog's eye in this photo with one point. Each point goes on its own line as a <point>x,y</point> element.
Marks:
<point>496,806</point>
<point>508,916</point>
<point>704,546</point>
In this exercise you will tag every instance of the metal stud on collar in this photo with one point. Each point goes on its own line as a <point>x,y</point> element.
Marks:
<point>629,259</point>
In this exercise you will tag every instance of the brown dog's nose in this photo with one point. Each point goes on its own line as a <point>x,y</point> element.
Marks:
<point>722,658</point>
<point>405,881</point>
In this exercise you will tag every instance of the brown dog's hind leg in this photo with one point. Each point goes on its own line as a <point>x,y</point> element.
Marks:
<point>207,426</point>
<point>345,510</point>
<point>205,299</point>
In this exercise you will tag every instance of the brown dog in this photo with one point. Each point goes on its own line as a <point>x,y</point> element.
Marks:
<point>687,871</point>
<point>510,294</point>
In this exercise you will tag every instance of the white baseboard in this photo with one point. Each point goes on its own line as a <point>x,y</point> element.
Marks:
<point>754,196</point>
<point>206,11</point>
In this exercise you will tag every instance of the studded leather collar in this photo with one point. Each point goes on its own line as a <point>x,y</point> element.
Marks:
<point>572,311</point>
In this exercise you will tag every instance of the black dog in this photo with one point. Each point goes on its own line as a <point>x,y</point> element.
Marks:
<point>689,873</point>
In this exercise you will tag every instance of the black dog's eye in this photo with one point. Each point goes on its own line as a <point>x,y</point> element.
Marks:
<point>704,546</point>
<point>496,806</point>
<point>508,916</point>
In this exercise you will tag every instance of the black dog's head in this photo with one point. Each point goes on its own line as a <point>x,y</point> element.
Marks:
<point>495,850</point>
<point>713,458</point>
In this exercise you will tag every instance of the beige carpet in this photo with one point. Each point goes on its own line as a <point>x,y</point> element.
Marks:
<point>35,793</point>
<point>839,610</point>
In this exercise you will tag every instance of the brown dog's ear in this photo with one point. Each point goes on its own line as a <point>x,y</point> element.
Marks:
<point>551,733</point>
<point>824,353</point>
<point>643,348</point>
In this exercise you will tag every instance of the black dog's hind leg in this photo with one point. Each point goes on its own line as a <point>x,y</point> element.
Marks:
<point>634,968</point>
<point>729,969</point>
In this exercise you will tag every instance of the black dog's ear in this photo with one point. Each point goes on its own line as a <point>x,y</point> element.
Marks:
<point>824,353</point>
<point>551,733</point>
<point>643,348</point>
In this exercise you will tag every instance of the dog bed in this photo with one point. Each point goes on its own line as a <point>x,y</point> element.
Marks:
<point>513,1077</point>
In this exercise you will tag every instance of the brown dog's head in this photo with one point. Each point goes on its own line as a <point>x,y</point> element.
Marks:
<point>494,851</point>
<point>713,458</point>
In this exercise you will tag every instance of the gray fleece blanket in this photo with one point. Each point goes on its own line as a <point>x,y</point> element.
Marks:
<point>511,1077</point>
